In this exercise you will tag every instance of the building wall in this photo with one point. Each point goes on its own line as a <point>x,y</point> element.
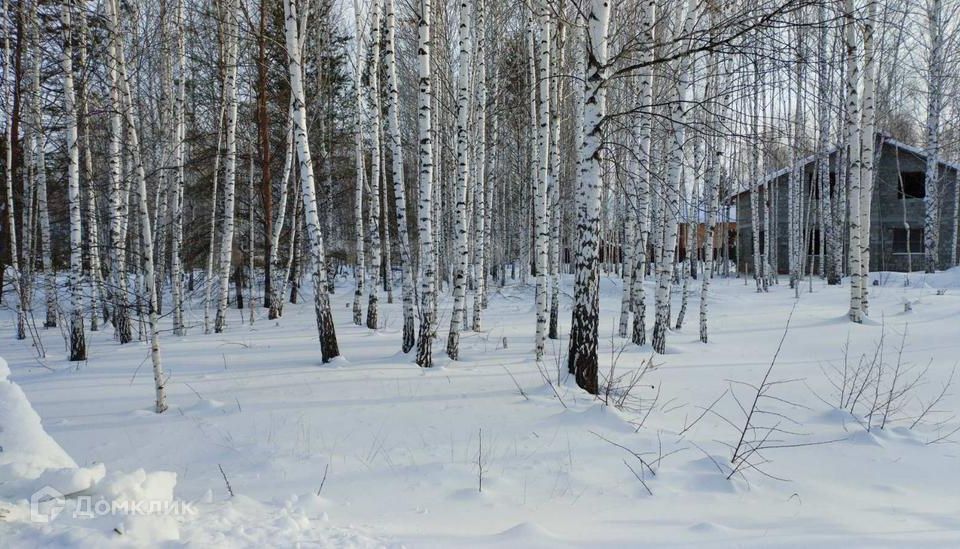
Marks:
<point>888,212</point>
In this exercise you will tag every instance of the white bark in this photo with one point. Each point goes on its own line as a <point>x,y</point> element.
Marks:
<point>643,138</point>
<point>212,243</point>
<point>542,225</point>
<point>179,157</point>
<point>78,345</point>
<point>868,143</point>
<point>230,162</point>
<point>554,208</point>
<point>458,314</point>
<point>399,187</point>
<point>328,337</point>
<point>43,212</point>
<point>119,192</point>
<point>376,161</point>
<point>480,184</point>
<point>8,177</point>
<point>671,186</point>
<point>276,268</point>
<point>359,271</point>
<point>425,213</point>
<point>585,319</point>
<point>854,160</point>
<point>93,224</point>
<point>935,85</point>
<point>146,234</point>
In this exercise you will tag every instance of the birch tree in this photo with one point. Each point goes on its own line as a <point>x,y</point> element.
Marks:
<point>277,270</point>
<point>543,175</point>
<point>459,313</point>
<point>643,138</point>
<point>92,234</point>
<point>677,132</point>
<point>359,271</point>
<point>119,191</point>
<point>8,82</point>
<point>292,33</point>
<point>868,143</point>
<point>582,358</point>
<point>935,84</point>
<point>828,227</point>
<point>179,156</point>
<point>376,161</point>
<point>481,225</point>
<point>230,160</point>
<point>399,188</point>
<point>717,85</point>
<point>78,345</point>
<point>425,184</point>
<point>143,214</point>
<point>855,160</point>
<point>40,184</point>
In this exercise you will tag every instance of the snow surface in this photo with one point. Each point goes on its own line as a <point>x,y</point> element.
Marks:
<point>372,451</point>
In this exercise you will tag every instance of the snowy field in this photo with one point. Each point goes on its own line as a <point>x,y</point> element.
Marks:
<point>373,451</point>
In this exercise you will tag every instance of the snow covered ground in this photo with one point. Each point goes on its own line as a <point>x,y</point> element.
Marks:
<point>373,451</point>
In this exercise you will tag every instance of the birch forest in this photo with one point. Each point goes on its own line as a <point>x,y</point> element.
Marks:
<point>570,195</point>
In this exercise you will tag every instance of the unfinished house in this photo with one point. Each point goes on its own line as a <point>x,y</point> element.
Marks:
<point>897,212</point>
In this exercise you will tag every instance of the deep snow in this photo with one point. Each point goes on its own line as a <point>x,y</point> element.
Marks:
<point>398,446</point>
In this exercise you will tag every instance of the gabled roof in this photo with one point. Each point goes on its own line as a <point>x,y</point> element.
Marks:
<point>803,162</point>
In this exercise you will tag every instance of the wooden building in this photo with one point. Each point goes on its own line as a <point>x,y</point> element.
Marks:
<point>897,212</point>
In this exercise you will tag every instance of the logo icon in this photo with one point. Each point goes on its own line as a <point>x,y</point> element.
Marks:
<point>46,504</point>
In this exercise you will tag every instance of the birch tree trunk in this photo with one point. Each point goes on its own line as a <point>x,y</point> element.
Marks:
<point>18,284</point>
<point>868,144</point>
<point>582,361</point>
<point>832,238</point>
<point>671,200</point>
<point>543,177</point>
<point>425,214</point>
<point>376,161</point>
<point>458,314</point>
<point>481,204</point>
<point>554,211</point>
<point>119,191</point>
<point>212,243</point>
<point>935,77</point>
<point>756,175</point>
<point>146,236</point>
<point>93,226</point>
<point>43,211</point>
<point>854,160</point>
<point>359,271</point>
<point>399,187</point>
<point>276,269</point>
<point>328,337</point>
<point>179,137</point>
<point>643,138</point>
<point>230,162</point>
<point>717,84</point>
<point>78,345</point>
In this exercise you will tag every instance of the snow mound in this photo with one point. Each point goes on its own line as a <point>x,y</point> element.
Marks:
<point>26,450</point>
<point>138,486</point>
<point>949,278</point>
